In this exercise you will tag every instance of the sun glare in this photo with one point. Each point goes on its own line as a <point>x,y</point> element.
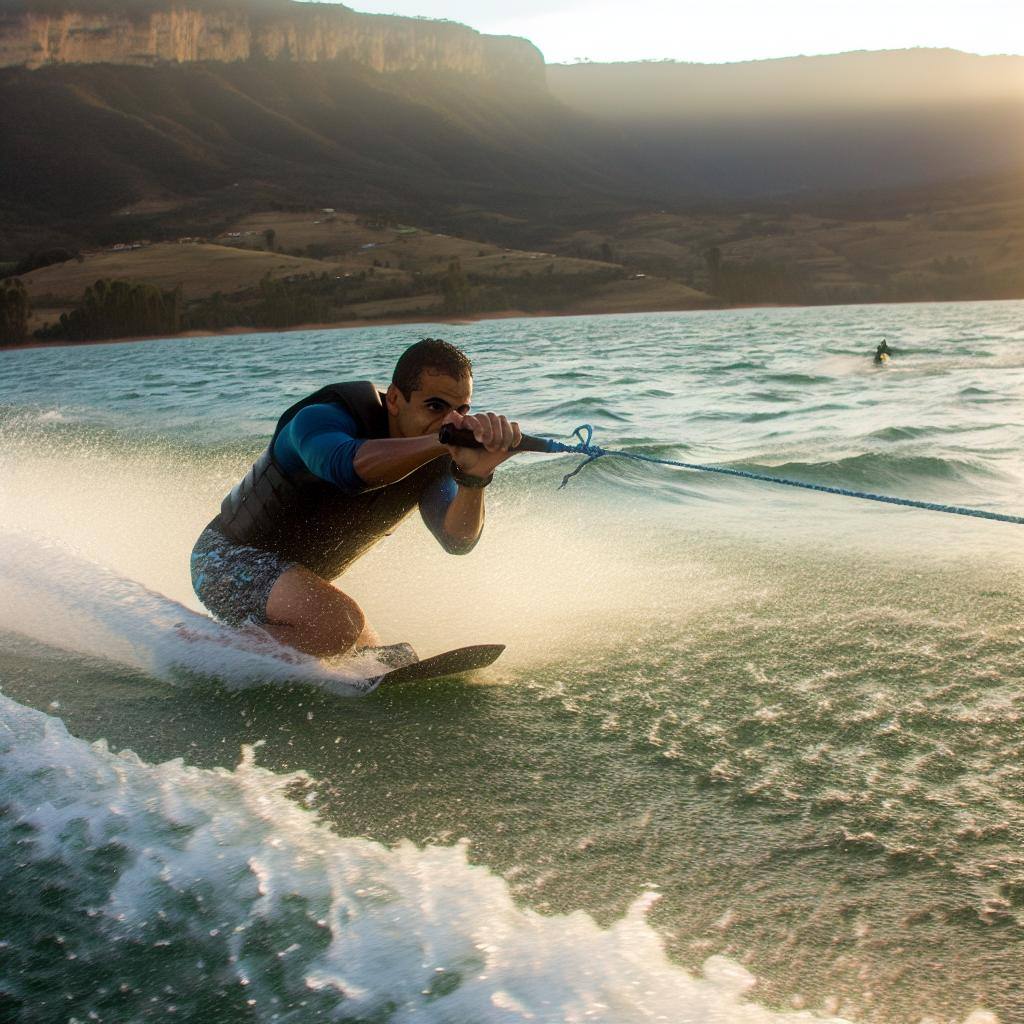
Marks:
<point>733,30</point>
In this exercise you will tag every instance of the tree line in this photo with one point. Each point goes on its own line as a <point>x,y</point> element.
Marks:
<point>112,308</point>
<point>119,309</point>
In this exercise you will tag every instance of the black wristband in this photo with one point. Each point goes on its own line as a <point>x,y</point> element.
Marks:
<point>465,480</point>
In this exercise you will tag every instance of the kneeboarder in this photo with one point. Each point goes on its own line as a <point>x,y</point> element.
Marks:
<point>345,465</point>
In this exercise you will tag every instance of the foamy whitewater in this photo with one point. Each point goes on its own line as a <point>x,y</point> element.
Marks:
<point>752,754</point>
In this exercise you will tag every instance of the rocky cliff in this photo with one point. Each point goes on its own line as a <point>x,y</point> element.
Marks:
<point>34,35</point>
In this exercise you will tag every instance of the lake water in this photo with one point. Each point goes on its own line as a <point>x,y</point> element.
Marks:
<point>752,754</point>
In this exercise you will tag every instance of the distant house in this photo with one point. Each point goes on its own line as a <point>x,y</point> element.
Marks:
<point>327,209</point>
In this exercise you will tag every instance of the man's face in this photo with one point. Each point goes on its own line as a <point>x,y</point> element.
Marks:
<point>437,395</point>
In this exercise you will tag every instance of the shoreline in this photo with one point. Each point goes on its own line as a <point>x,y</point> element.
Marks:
<point>505,314</point>
<point>339,325</point>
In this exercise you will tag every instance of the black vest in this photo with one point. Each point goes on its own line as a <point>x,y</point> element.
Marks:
<point>310,521</point>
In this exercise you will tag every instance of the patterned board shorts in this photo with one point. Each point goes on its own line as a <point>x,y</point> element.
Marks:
<point>234,581</point>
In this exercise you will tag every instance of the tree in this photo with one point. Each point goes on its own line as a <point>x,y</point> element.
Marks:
<point>36,260</point>
<point>116,309</point>
<point>14,312</point>
<point>269,237</point>
<point>713,259</point>
<point>286,303</point>
<point>455,289</point>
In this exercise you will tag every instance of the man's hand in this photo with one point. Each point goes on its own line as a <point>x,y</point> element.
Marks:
<point>498,435</point>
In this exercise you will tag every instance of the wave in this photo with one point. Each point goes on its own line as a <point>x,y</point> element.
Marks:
<point>796,378</point>
<point>872,469</point>
<point>154,874</point>
<point>770,396</point>
<point>983,396</point>
<point>875,470</point>
<point>763,417</point>
<point>81,606</point>
<point>581,407</point>
<point>912,433</point>
<point>570,375</point>
<point>948,481</point>
<point>54,439</point>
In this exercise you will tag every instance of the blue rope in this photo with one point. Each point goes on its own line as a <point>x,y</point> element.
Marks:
<point>584,446</point>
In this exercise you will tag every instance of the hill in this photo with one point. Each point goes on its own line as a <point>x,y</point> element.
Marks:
<point>201,269</point>
<point>760,128</point>
<point>456,131</point>
<point>955,241</point>
<point>959,240</point>
<point>855,176</point>
<point>364,270</point>
<point>92,153</point>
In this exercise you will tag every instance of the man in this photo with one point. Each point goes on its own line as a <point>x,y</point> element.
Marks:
<point>346,465</point>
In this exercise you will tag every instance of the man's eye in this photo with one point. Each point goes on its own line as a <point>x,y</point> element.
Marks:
<point>434,406</point>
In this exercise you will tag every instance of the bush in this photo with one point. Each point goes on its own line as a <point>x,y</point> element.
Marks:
<point>14,312</point>
<point>118,309</point>
<point>36,260</point>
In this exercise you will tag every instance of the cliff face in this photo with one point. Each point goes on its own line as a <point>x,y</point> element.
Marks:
<point>295,32</point>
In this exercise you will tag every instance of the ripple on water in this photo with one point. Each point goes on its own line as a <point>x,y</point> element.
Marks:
<point>802,722</point>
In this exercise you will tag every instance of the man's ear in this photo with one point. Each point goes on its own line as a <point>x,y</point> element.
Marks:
<point>391,399</point>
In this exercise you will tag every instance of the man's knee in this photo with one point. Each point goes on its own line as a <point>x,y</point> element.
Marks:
<point>323,617</point>
<point>338,614</point>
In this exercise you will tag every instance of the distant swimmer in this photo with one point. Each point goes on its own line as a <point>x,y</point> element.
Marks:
<point>345,465</point>
<point>883,353</point>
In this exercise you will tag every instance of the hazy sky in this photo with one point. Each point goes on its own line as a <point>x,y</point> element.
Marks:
<point>730,30</point>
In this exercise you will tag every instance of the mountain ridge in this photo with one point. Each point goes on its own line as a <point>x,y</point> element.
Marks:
<point>98,153</point>
<point>853,79</point>
<point>35,35</point>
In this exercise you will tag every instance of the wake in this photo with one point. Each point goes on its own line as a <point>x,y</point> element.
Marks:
<point>53,594</point>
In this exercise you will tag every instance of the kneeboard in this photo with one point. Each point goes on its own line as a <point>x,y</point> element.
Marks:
<point>451,663</point>
<point>212,650</point>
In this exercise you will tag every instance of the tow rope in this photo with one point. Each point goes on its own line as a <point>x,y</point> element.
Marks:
<point>585,446</point>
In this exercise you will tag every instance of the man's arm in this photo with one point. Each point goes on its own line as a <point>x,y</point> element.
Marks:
<point>453,514</point>
<point>322,439</point>
<point>464,520</point>
<point>384,461</point>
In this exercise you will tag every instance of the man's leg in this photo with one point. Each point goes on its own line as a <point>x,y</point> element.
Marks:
<point>307,613</point>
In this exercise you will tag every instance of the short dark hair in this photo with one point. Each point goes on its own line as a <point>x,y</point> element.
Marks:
<point>429,354</point>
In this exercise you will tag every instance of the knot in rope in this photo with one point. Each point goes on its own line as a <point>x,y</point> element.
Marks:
<point>584,434</point>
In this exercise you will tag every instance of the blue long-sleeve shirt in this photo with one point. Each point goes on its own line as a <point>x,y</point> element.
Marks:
<point>322,439</point>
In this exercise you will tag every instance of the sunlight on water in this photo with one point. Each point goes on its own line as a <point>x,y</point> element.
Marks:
<point>222,879</point>
<point>794,717</point>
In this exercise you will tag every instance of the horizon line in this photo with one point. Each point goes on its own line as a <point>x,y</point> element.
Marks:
<point>577,61</point>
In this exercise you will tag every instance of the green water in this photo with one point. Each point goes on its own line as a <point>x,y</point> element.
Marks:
<point>795,717</point>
